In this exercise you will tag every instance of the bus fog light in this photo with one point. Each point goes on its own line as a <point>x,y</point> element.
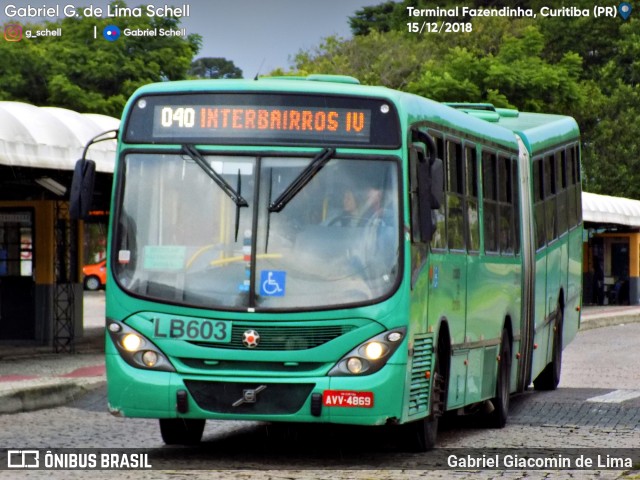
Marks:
<point>374,350</point>
<point>150,358</point>
<point>131,342</point>
<point>115,327</point>
<point>354,365</point>
<point>394,337</point>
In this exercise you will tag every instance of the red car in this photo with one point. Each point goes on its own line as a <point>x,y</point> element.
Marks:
<point>95,275</point>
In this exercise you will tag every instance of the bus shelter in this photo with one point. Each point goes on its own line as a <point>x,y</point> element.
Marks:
<point>611,263</point>
<point>40,247</point>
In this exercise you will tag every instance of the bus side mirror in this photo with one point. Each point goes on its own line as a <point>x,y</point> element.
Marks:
<point>427,184</point>
<point>430,195</point>
<point>81,195</point>
<point>426,193</point>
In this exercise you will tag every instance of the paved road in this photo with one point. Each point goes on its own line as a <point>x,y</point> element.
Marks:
<point>583,413</point>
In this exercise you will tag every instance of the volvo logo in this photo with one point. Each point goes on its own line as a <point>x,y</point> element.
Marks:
<point>251,339</point>
<point>249,395</point>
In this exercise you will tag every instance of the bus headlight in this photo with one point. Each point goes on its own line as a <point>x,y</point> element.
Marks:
<point>374,350</point>
<point>150,358</point>
<point>370,356</point>
<point>354,365</point>
<point>131,342</point>
<point>137,350</point>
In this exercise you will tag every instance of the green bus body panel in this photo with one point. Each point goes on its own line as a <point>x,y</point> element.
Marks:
<point>471,295</point>
<point>475,294</point>
<point>558,265</point>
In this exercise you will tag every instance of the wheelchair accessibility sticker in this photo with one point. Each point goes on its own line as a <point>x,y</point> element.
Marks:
<point>272,283</point>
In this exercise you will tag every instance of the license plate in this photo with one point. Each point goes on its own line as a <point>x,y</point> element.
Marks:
<point>192,329</point>
<point>341,398</point>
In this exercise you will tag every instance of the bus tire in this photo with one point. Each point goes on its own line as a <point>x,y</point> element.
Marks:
<point>181,431</point>
<point>549,378</point>
<point>421,435</point>
<point>498,416</point>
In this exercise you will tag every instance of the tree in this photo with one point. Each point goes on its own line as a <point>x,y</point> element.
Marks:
<point>392,59</point>
<point>87,74</point>
<point>585,67</point>
<point>214,67</point>
<point>21,70</point>
<point>611,148</point>
<point>501,63</point>
<point>379,18</point>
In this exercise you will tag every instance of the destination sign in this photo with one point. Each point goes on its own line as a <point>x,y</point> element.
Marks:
<point>266,122</point>
<point>269,119</point>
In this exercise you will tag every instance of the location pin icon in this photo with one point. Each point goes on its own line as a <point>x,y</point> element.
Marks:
<point>625,10</point>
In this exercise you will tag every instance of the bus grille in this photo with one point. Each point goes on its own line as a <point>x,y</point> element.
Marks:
<point>266,399</point>
<point>283,337</point>
<point>420,384</point>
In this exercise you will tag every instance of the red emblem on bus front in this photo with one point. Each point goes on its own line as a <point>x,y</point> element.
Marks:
<point>250,339</point>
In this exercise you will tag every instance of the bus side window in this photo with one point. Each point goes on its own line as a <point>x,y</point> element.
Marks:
<point>417,155</point>
<point>439,240</point>
<point>562,200</point>
<point>471,198</point>
<point>538,198</point>
<point>505,206</point>
<point>454,196</point>
<point>573,219</point>
<point>578,193</point>
<point>490,202</point>
<point>515,188</point>
<point>550,192</point>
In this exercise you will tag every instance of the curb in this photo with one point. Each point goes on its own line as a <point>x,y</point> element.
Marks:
<point>47,394</point>
<point>608,321</point>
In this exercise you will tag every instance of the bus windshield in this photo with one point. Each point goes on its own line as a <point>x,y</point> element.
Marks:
<point>181,238</point>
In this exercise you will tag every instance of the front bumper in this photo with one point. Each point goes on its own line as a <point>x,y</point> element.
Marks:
<point>134,392</point>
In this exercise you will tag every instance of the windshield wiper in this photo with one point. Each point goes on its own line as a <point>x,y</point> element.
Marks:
<point>301,180</point>
<point>215,176</point>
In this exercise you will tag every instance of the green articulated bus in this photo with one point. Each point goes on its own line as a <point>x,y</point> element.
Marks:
<point>315,250</point>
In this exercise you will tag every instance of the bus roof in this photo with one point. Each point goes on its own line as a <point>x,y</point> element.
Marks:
<point>543,131</point>
<point>538,131</point>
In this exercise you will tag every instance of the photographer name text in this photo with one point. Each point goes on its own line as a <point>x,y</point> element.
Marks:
<point>91,11</point>
<point>554,462</point>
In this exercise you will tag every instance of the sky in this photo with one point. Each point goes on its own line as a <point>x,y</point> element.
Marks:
<point>257,35</point>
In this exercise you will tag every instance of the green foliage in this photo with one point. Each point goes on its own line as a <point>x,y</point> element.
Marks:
<point>613,150</point>
<point>81,73</point>
<point>390,59</point>
<point>585,67</point>
<point>210,67</point>
<point>379,18</point>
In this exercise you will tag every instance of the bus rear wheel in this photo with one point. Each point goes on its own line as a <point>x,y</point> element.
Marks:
<point>549,378</point>
<point>181,431</point>
<point>498,417</point>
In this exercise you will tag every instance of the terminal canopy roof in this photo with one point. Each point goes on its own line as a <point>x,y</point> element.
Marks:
<point>607,210</point>
<point>39,147</point>
<point>52,138</point>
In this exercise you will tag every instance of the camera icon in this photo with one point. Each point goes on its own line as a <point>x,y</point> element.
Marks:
<point>13,32</point>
